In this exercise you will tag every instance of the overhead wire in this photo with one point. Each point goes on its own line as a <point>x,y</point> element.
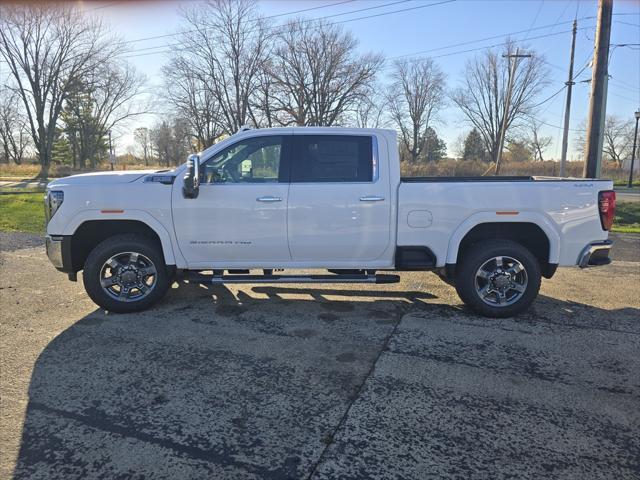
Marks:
<point>315,19</point>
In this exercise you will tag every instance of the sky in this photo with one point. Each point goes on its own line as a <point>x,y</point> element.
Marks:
<point>416,28</point>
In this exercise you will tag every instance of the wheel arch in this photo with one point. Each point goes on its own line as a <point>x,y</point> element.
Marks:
<point>531,230</point>
<point>86,233</point>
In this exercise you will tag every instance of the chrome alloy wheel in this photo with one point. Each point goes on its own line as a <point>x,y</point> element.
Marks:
<point>128,276</point>
<point>501,281</point>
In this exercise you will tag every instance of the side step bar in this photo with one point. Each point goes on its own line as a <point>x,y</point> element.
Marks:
<point>220,279</point>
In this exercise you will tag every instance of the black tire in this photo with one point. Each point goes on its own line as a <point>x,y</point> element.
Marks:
<point>122,244</point>
<point>482,253</point>
<point>446,279</point>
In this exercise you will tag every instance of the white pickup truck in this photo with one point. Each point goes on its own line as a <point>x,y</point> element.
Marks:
<point>320,198</point>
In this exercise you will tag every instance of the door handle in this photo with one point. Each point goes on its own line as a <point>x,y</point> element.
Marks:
<point>268,199</point>
<point>372,198</point>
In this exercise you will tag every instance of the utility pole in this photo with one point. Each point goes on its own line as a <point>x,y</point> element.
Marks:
<point>633,152</point>
<point>567,109</point>
<point>598,100</point>
<point>507,102</point>
<point>110,151</point>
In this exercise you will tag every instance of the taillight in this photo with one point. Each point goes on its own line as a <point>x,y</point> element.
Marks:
<point>607,208</point>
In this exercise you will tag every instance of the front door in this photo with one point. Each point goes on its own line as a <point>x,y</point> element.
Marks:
<point>240,216</point>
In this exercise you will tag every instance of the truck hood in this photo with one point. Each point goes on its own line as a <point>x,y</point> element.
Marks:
<point>100,178</point>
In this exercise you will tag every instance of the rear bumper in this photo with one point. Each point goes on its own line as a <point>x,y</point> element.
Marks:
<point>595,254</point>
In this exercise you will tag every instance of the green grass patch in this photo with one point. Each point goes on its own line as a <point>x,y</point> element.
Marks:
<point>624,183</point>
<point>22,213</point>
<point>627,219</point>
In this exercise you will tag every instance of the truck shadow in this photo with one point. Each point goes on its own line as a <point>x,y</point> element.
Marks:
<point>223,383</point>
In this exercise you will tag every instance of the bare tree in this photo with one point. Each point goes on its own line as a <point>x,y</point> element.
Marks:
<point>192,99</point>
<point>263,106</point>
<point>142,137</point>
<point>369,109</point>
<point>171,141</point>
<point>458,145</point>
<point>97,103</point>
<point>537,143</point>
<point>14,135</point>
<point>414,98</point>
<point>224,44</point>
<point>618,139</point>
<point>318,74</point>
<point>116,85</point>
<point>483,92</point>
<point>44,47</point>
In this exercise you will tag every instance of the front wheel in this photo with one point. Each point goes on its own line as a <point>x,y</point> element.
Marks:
<point>498,278</point>
<point>126,273</point>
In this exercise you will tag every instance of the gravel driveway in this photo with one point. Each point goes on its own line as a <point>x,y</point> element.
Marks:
<point>382,381</point>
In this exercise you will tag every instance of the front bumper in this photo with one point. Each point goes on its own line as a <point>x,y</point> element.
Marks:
<point>59,252</point>
<point>54,250</point>
<point>595,254</point>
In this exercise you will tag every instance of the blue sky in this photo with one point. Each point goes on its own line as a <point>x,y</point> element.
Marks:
<point>436,28</point>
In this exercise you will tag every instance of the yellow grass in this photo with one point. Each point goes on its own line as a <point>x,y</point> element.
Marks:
<point>443,168</point>
<point>31,170</point>
<point>460,168</point>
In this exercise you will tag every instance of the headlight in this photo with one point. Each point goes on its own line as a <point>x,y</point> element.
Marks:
<point>52,201</point>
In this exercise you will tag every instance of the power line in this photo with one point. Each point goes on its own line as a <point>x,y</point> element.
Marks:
<point>627,23</point>
<point>535,19</point>
<point>499,44</point>
<point>266,18</point>
<point>442,2</point>
<point>144,39</point>
<point>493,37</point>
<point>621,96</point>
<point>634,87</point>
<point>550,97</point>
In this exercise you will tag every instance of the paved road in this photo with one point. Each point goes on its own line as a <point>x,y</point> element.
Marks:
<point>22,184</point>
<point>623,196</point>
<point>395,381</point>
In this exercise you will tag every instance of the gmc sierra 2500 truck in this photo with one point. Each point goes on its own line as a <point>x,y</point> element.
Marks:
<point>320,198</point>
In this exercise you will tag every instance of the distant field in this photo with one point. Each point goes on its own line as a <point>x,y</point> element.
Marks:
<point>28,171</point>
<point>444,168</point>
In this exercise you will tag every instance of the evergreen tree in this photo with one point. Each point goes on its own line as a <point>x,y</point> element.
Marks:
<point>474,148</point>
<point>81,127</point>
<point>435,148</point>
<point>61,152</point>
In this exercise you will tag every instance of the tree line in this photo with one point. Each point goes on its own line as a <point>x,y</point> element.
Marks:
<point>69,84</point>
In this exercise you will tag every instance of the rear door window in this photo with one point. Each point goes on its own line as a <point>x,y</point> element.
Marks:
<point>332,158</point>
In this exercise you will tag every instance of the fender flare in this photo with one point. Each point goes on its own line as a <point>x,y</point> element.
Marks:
<point>478,218</point>
<point>134,215</point>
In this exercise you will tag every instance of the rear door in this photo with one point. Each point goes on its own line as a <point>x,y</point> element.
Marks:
<point>339,208</point>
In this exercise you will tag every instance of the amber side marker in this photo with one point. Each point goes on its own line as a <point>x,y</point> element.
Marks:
<point>111,211</point>
<point>507,213</point>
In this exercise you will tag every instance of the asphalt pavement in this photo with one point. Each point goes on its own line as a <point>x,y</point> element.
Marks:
<point>319,382</point>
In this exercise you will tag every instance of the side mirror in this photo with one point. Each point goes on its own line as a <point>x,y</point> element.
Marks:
<point>191,186</point>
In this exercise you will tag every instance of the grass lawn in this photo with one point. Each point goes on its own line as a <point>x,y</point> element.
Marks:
<point>22,213</point>
<point>624,183</point>
<point>627,217</point>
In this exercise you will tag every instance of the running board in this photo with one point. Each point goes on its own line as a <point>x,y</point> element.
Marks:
<point>220,279</point>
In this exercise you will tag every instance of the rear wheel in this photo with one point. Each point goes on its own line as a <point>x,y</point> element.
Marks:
<point>498,278</point>
<point>126,273</point>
